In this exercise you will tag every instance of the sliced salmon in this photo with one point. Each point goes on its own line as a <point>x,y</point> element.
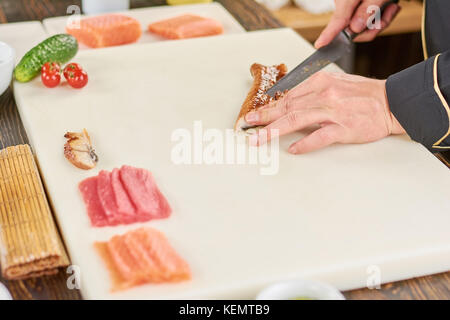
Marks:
<point>123,260</point>
<point>146,267</point>
<point>172,267</point>
<point>106,30</point>
<point>142,256</point>
<point>186,26</point>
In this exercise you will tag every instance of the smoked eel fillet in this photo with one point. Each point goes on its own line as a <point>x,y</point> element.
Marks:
<point>142,256</point>
<point>264,78</point>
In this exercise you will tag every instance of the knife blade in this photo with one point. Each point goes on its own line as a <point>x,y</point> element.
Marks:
<point>340,46</point>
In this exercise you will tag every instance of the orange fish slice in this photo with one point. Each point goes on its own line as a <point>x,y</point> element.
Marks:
<point>106,30</point>
<point>142,256</point>
<point>186,26</point>
<point>171,267</point>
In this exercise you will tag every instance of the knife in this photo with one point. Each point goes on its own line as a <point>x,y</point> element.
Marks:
<point>339,47</point>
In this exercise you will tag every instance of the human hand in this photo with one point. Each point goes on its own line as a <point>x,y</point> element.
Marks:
<point>353,14</point>
<point>348,108</point>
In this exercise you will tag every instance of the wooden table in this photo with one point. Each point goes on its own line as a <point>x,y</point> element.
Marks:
<point>310,25</point>
<point>252,17</point>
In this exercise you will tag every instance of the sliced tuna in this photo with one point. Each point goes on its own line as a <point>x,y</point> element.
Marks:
<point>107,198</point>
<point>124,205</point>
<point>144,193</point>
<point>88,189</point>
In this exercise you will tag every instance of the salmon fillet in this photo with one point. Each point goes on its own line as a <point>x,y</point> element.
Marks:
<point>186,26</point>
<point>106,30</point>
<point>142,256</point>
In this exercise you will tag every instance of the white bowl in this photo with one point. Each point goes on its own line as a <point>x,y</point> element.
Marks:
<point>102,6</point>
<point>300,289</point>
<point>4,293</point>
<point>6,66</point>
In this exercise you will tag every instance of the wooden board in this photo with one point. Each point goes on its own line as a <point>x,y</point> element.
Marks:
<point>330,215</point>
<point>311,25</point>
<point>149,15</point>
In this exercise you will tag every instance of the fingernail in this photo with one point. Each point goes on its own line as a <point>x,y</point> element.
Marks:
<point>253,140</point>
<point>317,43</point>
<point>293,149</point>
<point>359,25</point>
<point>252,117</point>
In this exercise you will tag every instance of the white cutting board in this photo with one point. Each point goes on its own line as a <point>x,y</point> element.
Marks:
<point>22,36</point>
<point>149,15</point>
<point>328,215</point>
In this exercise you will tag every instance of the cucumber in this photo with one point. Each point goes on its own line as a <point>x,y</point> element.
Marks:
<point>59,48</point>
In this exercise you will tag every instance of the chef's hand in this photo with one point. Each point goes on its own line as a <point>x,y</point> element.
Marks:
<point>348,108</point>
<point>354,13</point>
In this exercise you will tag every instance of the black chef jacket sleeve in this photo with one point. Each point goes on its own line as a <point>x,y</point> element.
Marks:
<point>418,98</point>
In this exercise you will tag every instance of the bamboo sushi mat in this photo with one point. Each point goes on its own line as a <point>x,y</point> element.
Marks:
<point>30,245</point>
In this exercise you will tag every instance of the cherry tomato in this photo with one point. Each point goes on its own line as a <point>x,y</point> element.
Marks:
<point>51,67</point>
<point>71,67</point>
<point>50,74</point>
<point>77,79</point>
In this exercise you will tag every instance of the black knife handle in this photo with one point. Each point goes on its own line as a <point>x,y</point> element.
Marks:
<point>352,35</point>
